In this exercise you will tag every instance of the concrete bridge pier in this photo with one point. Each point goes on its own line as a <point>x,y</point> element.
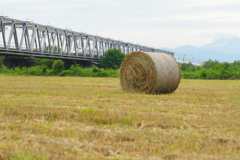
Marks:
<point>85,64</point>
<point>17,62</point>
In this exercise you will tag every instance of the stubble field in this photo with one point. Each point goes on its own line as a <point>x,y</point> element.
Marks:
<point>92,118</point>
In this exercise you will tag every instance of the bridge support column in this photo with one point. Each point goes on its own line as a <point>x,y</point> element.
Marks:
<point>14,62</point>
<point>85,64</point>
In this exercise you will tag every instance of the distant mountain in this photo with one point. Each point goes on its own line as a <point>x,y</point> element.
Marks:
<point>223,50</point>
<point>230,46</point>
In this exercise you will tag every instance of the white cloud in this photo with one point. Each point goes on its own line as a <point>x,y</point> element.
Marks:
<point>192,3</point>
<point>219,35</point>
<point>210,15</point>
<point>16,1</point>
<point>157,23</point>
<point>159,38</point>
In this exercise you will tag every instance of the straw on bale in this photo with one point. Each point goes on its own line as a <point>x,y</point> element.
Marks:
<point>151,73</point>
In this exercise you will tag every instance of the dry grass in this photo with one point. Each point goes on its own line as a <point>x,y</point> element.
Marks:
<point>92,118</point>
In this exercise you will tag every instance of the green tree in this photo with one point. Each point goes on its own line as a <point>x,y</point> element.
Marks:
<point>112,59</point>
<point>57,66</point>
<point>236,63</point>
<point>189,67</point>
<point>210,63</point>
<point>223,69</point>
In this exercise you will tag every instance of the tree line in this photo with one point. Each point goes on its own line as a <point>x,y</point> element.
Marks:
<point>211,69</point>
<point>108,67</point>
<point>110,64</point>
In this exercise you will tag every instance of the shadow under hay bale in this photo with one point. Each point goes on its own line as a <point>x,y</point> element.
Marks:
<point>151,73</point>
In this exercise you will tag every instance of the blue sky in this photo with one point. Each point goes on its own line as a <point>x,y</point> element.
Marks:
<point>154,23</point>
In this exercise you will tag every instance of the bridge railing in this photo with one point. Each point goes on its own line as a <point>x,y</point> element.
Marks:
<point>28,37</point>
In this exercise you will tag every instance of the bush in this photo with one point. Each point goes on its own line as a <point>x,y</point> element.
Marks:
<point>44,62</point>
<point>102,74</point>
<point>66,73</point>
<point>44,69</point>
<point>95,69</point>
<point>112,59</point>
<point>76,70</point>
<point>188,75</point>
<point>189,67</point>
<point>36,70</point>
<point>57,66</point>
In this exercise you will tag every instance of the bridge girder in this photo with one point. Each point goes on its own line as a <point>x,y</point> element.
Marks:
<point>28,38</point>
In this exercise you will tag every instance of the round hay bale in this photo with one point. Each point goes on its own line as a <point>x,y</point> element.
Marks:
<point>151,73</point>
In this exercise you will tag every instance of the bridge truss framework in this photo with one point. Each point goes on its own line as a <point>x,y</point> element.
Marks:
<point>25,38</point>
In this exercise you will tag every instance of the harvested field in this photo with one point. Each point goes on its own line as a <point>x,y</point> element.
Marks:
<point>92,118</point>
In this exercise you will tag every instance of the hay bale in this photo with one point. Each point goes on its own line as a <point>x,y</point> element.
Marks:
<point>151,73</point>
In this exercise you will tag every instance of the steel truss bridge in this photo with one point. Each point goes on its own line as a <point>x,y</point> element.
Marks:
<point>25,38</point>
